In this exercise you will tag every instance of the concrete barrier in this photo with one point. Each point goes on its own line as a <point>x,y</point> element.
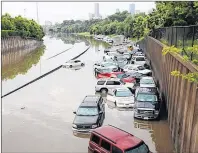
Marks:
<point>180,96</point>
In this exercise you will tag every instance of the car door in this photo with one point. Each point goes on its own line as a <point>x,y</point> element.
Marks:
<point>117,84</point>
<point>111,96</point>
<point>110,84</point>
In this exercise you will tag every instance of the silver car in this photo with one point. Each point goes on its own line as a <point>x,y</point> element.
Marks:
<point>122,97</point>
<point>110,65</point>
<point>147,82</point>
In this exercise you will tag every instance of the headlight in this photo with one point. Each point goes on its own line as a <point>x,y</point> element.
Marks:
<point>74,126</point>
<point>156,112</point>
<point>94,126</point>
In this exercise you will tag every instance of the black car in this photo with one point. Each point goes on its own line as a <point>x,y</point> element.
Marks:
<point>90,114</point>
<point>147,103</point>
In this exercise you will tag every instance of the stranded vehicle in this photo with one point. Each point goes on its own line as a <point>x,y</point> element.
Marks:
<point>90,114</point>
<point>122,97</point>
<point>73,63</point>
<point>147,103</point>
<point>110,139</point>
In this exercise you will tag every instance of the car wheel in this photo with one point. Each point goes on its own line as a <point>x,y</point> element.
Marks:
<point>70,66</point>
<point>115,104</point>
<point>82,64</point>
<point>103,91</point>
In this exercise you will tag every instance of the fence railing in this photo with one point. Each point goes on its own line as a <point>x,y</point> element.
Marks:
<point>179,36</point>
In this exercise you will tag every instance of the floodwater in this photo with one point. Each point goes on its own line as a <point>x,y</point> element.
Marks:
<point>45,123</point>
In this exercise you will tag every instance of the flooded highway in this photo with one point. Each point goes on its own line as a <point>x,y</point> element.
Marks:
<point>45,122</point>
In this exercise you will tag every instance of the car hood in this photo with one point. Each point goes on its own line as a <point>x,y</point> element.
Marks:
<point>140,62</point>
<point>125,100</point>
<point>149,105</point>
<point>147,85</point>
<point>144,71</point>
<point>85,119</point>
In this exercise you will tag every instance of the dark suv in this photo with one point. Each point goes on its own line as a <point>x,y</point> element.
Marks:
<point>110,139</point>
<point>147,103</point>
<point>90,114</point>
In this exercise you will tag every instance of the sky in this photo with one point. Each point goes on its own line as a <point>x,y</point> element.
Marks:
<point>59,11</point>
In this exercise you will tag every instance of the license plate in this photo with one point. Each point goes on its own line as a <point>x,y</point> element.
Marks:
<point>146,118</point>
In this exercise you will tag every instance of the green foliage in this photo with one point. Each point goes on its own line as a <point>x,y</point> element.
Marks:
<point>170,49</point>
<point>191,77</point>
<point>20,26</point>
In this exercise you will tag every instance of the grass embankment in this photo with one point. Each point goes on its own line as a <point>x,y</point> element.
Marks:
<point>135,39</point>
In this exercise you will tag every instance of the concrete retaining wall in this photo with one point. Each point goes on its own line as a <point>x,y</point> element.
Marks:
<point>14,43</point>
<point>180,96</point>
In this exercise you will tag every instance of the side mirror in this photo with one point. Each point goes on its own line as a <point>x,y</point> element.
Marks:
<point>100,112</point>
<point>74,112</point>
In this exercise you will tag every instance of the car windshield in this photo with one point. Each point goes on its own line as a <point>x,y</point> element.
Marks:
<point>140,59</point>
<point>140,149</point>
<point>87,111</point>
<point>122,76</point>
<point>143,97</point>
<point>147,81</point>
<point>124,93</point>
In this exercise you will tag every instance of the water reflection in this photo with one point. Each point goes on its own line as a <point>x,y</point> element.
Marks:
<point>72,39</point>
<point>19,62</point>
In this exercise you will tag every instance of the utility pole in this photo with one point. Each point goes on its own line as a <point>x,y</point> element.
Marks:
<point>24,13</point>
<point>37,12</point>
<point>38,23</point>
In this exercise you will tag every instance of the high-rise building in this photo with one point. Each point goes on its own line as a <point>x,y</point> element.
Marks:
<point>117,11</point>
<point>96,10</point>
<point>132,9</point>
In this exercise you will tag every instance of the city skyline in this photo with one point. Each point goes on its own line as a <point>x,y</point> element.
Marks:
<point>68,10</point>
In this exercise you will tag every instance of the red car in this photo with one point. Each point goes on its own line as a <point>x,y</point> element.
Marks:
<point>121,75</point>
<point>110,139</point>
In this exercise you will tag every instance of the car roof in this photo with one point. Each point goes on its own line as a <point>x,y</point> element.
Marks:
<point>147,77</point>
<point>147,90</point>
<point>139,56</point>
<point>122,89</point>
<point>91,98</point>
<point>120,138</point>
<point>133,65</point>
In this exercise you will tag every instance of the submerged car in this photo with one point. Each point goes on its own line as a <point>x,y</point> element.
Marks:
<point>122,97</point>
<point>147,103</point>
<point>90,114</point>
<point>147,82</point>
<point>73,63</point>
<point>137,68</point>
<point>109,65</point>
<point>110,139</point>
<point>138,60</point>
<point>135,75</point>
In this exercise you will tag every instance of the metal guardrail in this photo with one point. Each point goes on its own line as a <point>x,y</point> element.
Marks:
<point>179,36</point>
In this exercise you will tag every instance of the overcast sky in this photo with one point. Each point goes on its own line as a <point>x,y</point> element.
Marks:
<point>59,11</point>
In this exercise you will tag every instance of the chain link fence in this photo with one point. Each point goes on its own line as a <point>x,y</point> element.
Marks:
<point>179,36</point>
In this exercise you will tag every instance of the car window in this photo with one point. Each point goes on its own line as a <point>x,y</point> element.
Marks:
<point>142,97</point>
<point>140,149</point>
<point>87,111</point>
<point>140,59</point>
<point>95,139</point>
<point>116,150</point>
<point>77,61</point>
<point>124,93</point>
<point>105,145</point>
<point>100,82</point>
<point>117,83</point>
<point>147,81</point>
<point>110,82</point>
<point>140,67</point>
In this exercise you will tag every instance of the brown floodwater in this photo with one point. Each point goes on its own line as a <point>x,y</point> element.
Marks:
<point>45,123</point>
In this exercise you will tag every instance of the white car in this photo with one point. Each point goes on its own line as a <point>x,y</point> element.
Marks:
<point>110,65</point>
<point>138,60</point>
<point>137,68</point>
<point>147,82</point>
<point>73,63</point>
<point>122,97</point>
<point>109,55</point>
